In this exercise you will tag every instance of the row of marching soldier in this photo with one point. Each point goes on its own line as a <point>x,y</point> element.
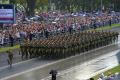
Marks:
<point>65,45</point>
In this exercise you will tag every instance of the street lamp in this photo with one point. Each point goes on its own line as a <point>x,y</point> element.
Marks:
<point>49,4</point>
<point>101,5</point>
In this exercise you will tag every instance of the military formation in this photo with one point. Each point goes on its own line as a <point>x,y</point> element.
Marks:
<point>65,45</point>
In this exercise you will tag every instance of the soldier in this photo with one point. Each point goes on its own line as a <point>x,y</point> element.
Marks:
<point>91,79</point>
<point>87,44</point>
<point>26,51</point>
<point>116,36</point>
<point>31,51</point>
<point>22,51</point>
<point>69,44</point>
<point>10,57</point>
<point>53,73</point>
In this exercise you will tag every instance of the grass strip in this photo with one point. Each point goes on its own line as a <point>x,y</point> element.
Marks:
<point>9,48</point>
<point>109,72</point>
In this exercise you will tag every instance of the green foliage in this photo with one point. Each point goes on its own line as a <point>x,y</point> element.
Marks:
<point>109,72</point>
<point>41,4</point>
<point>87,5</point>
<point>4,49</point>
<point>68,5</point>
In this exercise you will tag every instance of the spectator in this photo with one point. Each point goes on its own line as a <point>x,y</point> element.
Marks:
<point>46,33</point>
<point>11,40</point>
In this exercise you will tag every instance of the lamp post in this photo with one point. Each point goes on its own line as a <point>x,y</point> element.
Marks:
<point>49,4</point>
<point>101,5</point>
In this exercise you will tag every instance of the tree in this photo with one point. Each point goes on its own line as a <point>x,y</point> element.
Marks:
<point>12,1</point>
<point>41,4</point>
<point>66,5</point>
<point>30,7</point>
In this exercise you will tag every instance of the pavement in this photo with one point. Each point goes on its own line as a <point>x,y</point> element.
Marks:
<point>79,67</point>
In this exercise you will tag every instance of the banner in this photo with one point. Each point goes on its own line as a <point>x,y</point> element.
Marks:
<point>7,13</point>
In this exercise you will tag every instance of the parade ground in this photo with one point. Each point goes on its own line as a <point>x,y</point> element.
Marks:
<point>79,67</point>
<point>82,71</point>
<point>59,40</point>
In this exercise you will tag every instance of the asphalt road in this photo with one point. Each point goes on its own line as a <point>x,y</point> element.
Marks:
<point>74,68</point>
<point>78,67</point>
<point>17,57</point>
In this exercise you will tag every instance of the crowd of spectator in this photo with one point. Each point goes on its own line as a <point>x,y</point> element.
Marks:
<point>54,23</point>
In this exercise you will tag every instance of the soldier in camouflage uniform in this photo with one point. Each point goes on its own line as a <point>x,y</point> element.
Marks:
<point>62,46</point>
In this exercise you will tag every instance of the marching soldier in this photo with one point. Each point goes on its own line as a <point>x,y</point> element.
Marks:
<point>10,58</point>
<point>62,46</point>
<point>54,74</point>
<point>22,51</point>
